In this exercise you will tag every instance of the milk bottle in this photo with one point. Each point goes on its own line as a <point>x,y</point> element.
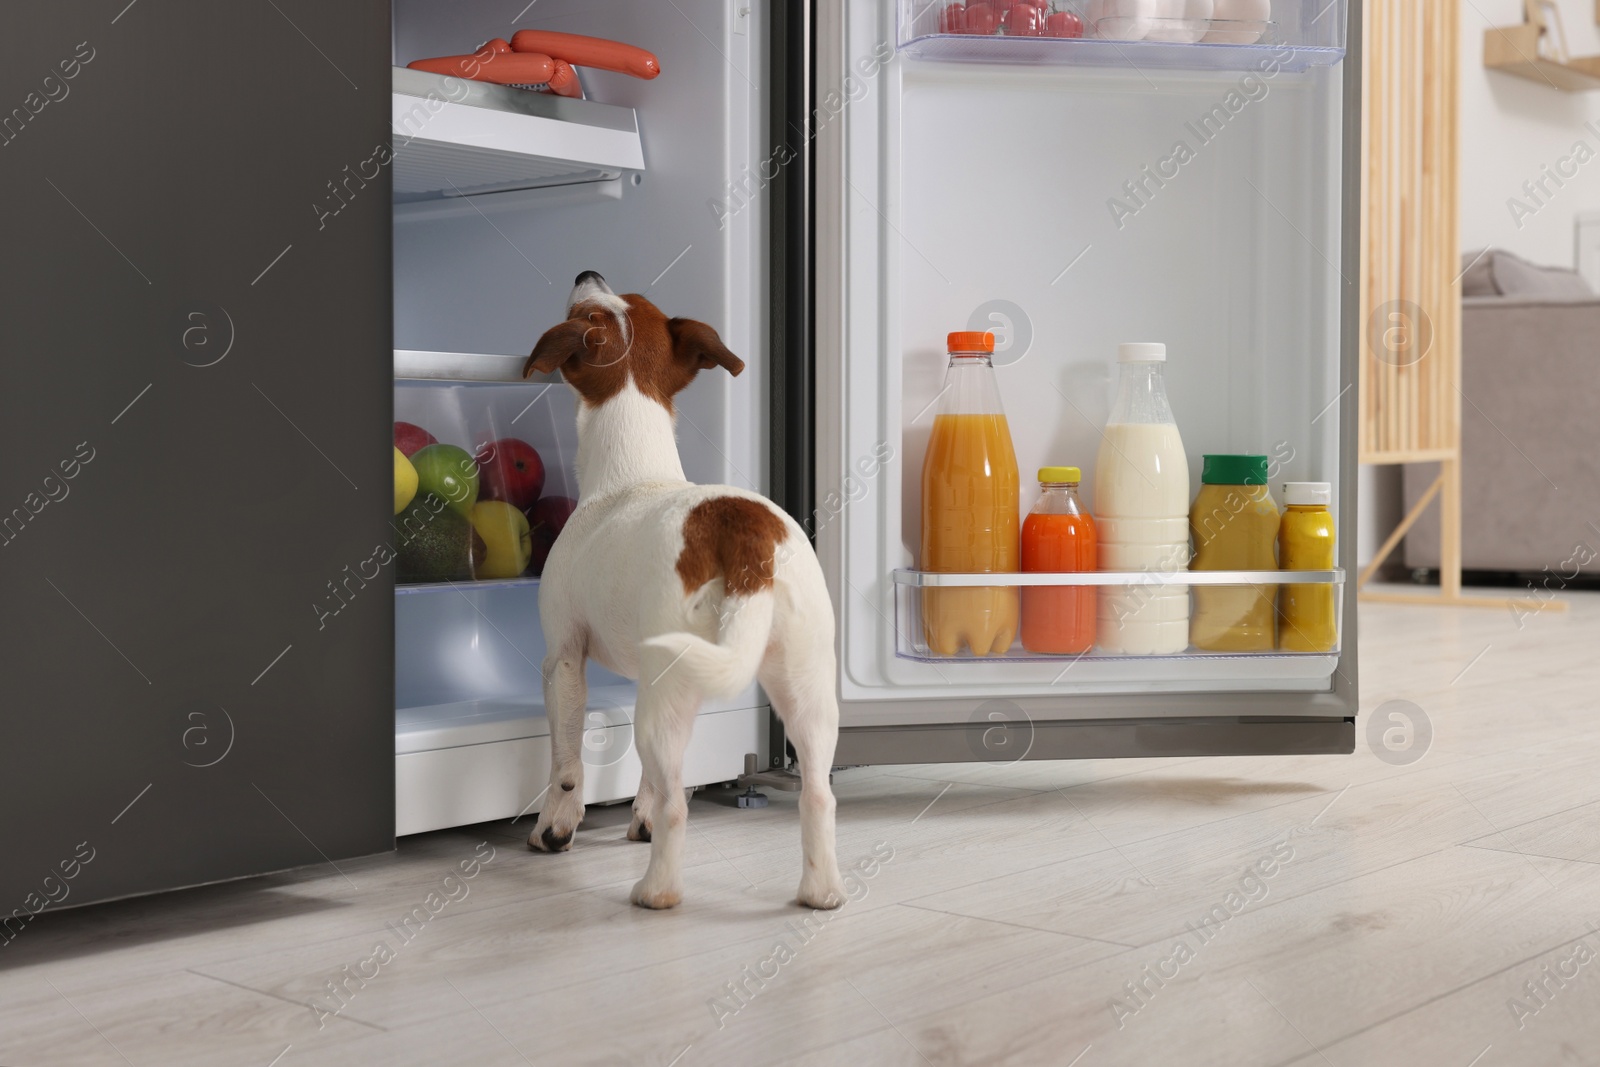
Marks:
<point>1142,511</point>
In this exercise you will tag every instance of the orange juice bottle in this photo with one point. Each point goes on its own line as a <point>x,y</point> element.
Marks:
<point>969,506</point>
<point>1058,536</point>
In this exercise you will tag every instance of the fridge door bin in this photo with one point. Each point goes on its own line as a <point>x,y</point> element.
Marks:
<point>1301,34</point>
<point>1239,595</point>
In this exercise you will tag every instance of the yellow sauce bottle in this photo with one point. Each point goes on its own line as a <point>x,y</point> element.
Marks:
<point>1307,621</point>
<point>1234,522</point>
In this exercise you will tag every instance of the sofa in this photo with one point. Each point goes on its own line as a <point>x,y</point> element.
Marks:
<point>1530,423</point>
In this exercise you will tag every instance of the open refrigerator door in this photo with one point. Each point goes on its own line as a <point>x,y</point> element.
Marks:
<point>1068,194</point>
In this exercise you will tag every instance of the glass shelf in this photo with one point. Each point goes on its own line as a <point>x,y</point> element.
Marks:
<point>413,588</point>
<point>465,368</point>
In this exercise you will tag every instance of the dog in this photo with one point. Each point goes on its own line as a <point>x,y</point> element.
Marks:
<point>691,590</point>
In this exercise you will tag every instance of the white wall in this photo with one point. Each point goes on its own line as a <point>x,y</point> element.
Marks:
<point>1512,128</point>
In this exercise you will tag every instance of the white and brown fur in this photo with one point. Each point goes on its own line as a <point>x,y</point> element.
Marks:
<point>693,590</point>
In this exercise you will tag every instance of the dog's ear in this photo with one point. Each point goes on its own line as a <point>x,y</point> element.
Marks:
<point>697,345</point>
<point>557,347</point>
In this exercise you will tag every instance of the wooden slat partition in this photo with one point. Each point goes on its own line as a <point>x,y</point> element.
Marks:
<point>1410,264</point>
<point>1410,289</point>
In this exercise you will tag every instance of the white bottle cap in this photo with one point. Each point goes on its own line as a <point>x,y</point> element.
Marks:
<point>1141,352</point>
<point>1306,493</point>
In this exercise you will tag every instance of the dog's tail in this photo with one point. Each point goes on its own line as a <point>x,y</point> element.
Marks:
<point>721,669</point>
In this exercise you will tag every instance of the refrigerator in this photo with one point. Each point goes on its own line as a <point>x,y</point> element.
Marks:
<point>233,274</point>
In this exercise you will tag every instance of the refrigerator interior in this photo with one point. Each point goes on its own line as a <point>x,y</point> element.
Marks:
<point>1071,195</point>
<point>554,187</point>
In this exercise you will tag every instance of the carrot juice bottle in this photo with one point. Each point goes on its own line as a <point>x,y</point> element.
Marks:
<point>1058,536</point>
<point>969,506</point>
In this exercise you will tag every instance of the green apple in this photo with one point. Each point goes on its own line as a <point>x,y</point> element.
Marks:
<point>447,472</point>
<point>505,531</point>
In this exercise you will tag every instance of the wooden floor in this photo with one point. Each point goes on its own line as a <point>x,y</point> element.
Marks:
<point>1318,911</point>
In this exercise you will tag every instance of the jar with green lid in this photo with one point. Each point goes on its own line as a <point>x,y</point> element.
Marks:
<point>1234,523</point>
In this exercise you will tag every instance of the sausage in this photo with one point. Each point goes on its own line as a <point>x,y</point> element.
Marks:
<point>498,45</point>
<point>564,80</point>
<point>583,51</point>
<point>502,68</point>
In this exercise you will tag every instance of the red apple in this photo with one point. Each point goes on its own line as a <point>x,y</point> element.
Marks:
<point>409,437</point>
<point>510,470</point>
<point>1063,24</point>
<point>546,519</point>
<point>953,19</point>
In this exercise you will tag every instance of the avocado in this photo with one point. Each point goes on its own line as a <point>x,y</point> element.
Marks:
<point>435,542</point>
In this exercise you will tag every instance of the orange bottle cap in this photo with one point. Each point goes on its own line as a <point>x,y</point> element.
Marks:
<point>970,341</point>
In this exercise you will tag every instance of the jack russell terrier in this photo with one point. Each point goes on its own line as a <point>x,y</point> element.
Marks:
<point>692,590</point>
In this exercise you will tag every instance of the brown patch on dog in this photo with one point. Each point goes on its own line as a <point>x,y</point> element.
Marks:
<point>660,355</point>
<point>734,537</point>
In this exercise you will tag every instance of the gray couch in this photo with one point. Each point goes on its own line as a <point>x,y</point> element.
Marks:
<point>1530,424</point>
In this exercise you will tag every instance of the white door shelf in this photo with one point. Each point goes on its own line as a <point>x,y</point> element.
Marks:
<point>455,138</point>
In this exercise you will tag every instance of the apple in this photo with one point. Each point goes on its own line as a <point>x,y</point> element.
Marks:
<point>449,472</point>
<point>510,470</point>
<point>409,437</point>
<point>505,532</point>
<point>405,481</point>
<point>953,19</point>
<point>546,519</point>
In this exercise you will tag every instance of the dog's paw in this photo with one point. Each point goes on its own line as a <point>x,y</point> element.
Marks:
<point>657,898</point>
<point>639,830</point>
<point>821,891</point>
<point>549,839</point>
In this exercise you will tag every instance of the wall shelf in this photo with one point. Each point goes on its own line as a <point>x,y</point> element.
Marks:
<point>1515,50</point>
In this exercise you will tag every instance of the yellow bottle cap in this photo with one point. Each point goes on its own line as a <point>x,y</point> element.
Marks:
<point>1060,474</point>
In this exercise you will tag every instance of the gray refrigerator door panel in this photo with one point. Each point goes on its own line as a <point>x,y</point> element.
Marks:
<point>197,625</point>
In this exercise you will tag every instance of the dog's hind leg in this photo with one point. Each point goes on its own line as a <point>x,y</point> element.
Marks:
<point>665,720</point>
<point>566,696</point>
<point>800,682</point>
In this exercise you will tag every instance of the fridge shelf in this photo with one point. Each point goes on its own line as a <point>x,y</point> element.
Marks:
<point>464,367</point>
<point>912,587</point>
<point>1306,34</point>
<point>456,138</point>
<point>530,582</point>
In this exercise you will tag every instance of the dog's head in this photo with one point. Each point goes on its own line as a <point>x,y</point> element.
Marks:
<point>609,340</point>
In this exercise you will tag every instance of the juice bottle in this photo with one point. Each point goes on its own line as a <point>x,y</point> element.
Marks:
<point>1141,510</point>
<point>1058,536</point>
<point>1306,618</point>
<point>969,506</point>
<point>1235,526</point>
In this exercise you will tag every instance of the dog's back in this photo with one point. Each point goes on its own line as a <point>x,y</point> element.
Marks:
<point>735,556</point>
